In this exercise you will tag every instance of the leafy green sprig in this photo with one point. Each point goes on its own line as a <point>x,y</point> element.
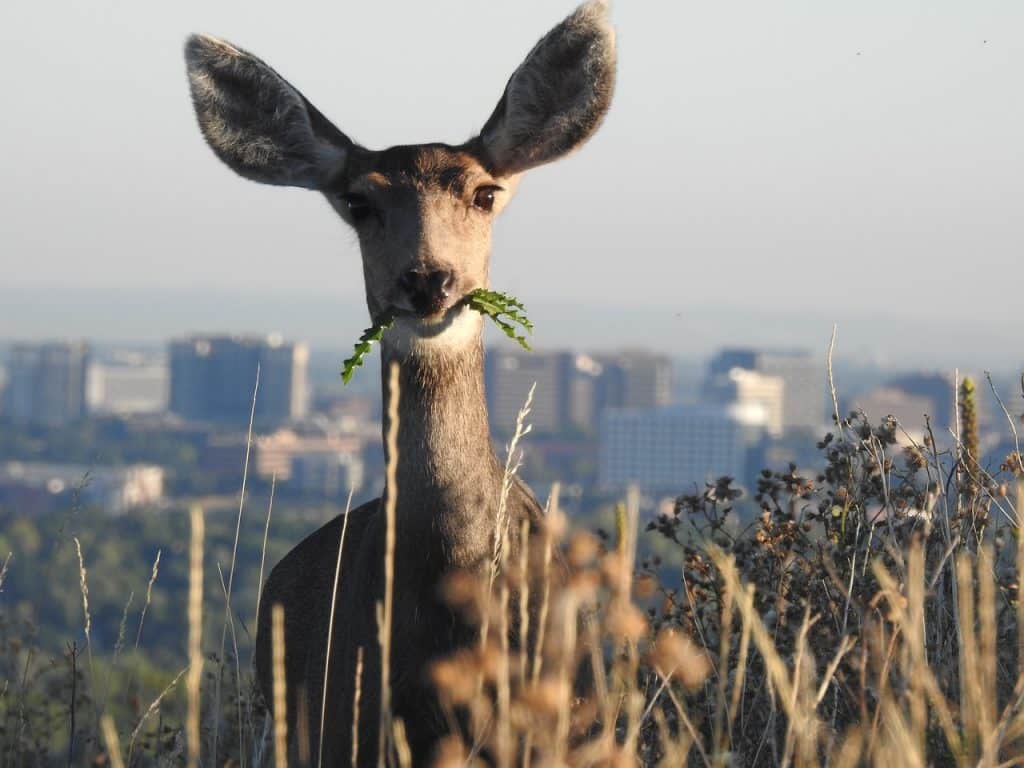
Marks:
<point>495,304</point>
<point>370,336</point>
<point>507,312</point>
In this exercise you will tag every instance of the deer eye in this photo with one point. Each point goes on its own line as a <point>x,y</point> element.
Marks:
<point>483,198</point>
<point>359,206</point>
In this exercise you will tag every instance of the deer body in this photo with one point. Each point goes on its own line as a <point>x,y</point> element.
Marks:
<point>423,216</point>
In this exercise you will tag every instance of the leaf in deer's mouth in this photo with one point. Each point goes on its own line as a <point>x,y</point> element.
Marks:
<point>370,336</point>
<point>507,312</point>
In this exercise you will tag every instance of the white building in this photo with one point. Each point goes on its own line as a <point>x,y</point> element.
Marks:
<point>113,489</point>
<point>750,390</point>
<point>124,388</point>
<point>672,448</point>
<point>327,464</point>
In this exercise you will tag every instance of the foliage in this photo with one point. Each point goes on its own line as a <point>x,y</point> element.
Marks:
<point>506,312</point>
<point>869,614</point>
<point>371,336</point>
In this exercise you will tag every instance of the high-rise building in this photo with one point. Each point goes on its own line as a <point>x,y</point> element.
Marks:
<point>129,384</point>
<point>750,389</point>
<point>561,380</point>
<point>634,379</point>
<point>46,383</point>
<point>672,448</point>
<point>213,377</point>
<point>573,389</point>
<point>803,377</point>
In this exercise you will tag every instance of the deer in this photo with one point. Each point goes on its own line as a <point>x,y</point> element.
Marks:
<point>423,215</point>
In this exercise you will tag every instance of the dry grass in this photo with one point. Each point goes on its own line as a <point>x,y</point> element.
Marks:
<point>868,616</point>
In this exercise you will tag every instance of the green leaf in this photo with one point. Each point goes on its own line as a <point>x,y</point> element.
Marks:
<point>506,311</point>
<point>370,336</point>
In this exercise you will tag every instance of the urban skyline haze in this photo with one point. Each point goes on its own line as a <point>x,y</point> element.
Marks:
<point>764,172</point>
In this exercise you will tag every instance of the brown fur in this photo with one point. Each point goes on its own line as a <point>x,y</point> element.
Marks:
<point>417,211</point>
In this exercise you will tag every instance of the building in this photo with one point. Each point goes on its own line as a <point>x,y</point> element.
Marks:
<point>670,449</point>
<point>803,377</point>
<point>46,383</point>
<point>634,379</point>
<point>213,378</point>
<point>750,389</point>
<point>509,374</point>
<point>573,389</point>
<point>39,486</point>
<point>326,465</point>
<point>129,385</point>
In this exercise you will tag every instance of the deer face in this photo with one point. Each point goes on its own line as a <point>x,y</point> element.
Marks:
<point>423,213</point>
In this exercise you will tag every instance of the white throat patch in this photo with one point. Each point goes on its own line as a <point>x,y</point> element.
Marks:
<point>410,335</point>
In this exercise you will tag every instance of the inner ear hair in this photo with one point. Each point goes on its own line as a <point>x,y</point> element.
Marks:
<point>557,97</point>
<point>261,126</point>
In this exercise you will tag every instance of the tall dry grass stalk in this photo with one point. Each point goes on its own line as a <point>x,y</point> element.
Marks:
<point>83,585</point>
<point>111,740</point>
<point>355,706</point>
<point>385,610</point>
<point>195,637</point>
<point>150,711</point>
<point>149,596</point>
<point>263,548</point>
<point>279,685</point>
<point>330,628</point>
<point>228,618</point>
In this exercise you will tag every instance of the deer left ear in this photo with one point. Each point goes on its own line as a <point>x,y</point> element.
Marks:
<point>256,121</point>
<point>557,98</point>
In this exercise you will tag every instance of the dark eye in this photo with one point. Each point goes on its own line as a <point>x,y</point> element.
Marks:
<point>483,198</point>
<point>358,206</point>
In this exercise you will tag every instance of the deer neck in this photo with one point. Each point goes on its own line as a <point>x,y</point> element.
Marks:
<point>448,479</point>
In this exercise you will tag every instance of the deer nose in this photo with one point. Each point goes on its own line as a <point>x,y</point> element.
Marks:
<point>428,290</point>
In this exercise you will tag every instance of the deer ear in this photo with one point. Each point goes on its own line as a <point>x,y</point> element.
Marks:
<point>256,122</point>
<point>557,98</point>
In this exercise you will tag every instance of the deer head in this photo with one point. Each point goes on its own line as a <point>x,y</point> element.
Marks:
<point>422,212</point>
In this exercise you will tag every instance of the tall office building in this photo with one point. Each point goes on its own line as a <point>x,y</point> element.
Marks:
<point>212,379</point>
<point>634,379</point>
<point>803,377</point>
<point>672,448</point>
<point>130,384</point>
<point>751,390</point>
<point>509,374</point>
<point>573,389</point>
<point>46,383</point>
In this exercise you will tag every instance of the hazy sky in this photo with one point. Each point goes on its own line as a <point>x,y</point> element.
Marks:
<point>844,158</point>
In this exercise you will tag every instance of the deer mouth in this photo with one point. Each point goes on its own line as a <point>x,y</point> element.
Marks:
<point>434,325</point>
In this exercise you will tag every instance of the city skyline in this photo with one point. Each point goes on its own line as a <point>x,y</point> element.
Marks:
<point>832,164</point>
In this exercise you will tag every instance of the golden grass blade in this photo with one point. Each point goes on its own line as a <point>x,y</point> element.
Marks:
<point>330,630</point>
<point>195,636</point>
<point>355,707</point>
<point>280,691</point>
<point>263,549</point>
<point>112,742</point>
<point>154,705</point>
<point>149,597</point>
<point>385,617</point>
<point>83,585</point>
<point>231,571</point>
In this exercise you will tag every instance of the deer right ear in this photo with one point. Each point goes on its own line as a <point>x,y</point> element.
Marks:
<point>256,122</point>
<point>557,98</point>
